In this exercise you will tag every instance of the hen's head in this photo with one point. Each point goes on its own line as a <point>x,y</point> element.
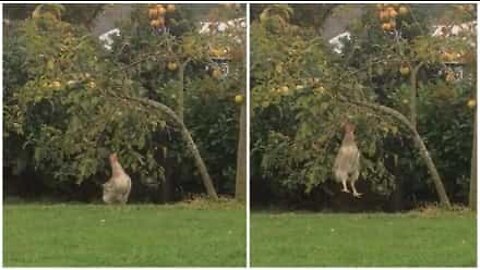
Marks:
<point>113,157</point>
<point>349,127</point>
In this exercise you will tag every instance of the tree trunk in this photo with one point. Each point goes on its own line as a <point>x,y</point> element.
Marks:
<point>413,94</point>
<point>181,89</point>
<point>180,99</point>
<point>240,181</point>
<point>167,185</point>
<point>472,196</point>
<point>444,201</point>
<point>398,193</point>
<point>192,147</point>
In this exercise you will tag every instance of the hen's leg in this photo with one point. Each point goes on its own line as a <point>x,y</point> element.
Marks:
<point>343,178</point>
<point>355,192</point>
<point>344,184</point>
<point>352,183</point>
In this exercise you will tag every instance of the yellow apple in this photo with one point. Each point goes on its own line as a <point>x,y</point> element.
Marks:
<point>471,103</point>
<point>172,66</point>
<point>239,99</point>
<point>404,70</point>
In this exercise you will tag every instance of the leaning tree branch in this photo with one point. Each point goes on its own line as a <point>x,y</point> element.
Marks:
<point>206,179</point>
<point>444,201</point>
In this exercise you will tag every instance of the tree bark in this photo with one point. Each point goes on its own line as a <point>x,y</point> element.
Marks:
<point>397,195</point>
<point>472,196</point>
<point>167,185</point>
<point>444,201</point>
<point>240,181</point>
<point>192,147</point>
<point>181,89</point>
<point>180,93</point>
<point>413,94</point>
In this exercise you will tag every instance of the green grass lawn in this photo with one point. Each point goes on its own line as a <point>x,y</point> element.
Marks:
<point>412,239</point>
<point>133,235</point>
